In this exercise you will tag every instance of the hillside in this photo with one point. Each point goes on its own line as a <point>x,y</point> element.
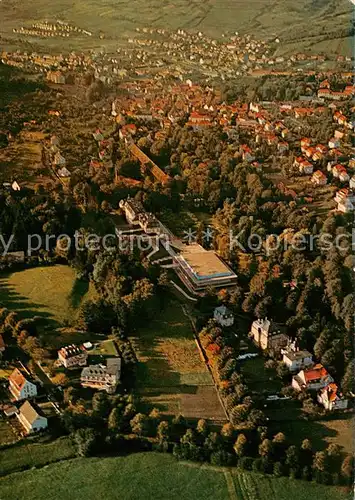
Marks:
<point>304,23</point>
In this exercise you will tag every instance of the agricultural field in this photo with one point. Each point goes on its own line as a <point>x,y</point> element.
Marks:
<point>171,374</point>
<point>111,21</point>
<point>153,476</point>
<point>27,455</point>
<point>51,293</point>
<point>22,160</point>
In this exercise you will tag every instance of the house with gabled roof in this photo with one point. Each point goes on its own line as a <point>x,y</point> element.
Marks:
<point>331,398</point>
<point>268,335</point>
<point>31,418</point>
<point>305,167</point>
<point>345,200</point>
<point>101,377</point>
<point>314,378</point>
<point>72,356</point>
<point>339,172</point>
<point>319,179</point>
<point>333,143</point>
<point>20,386</point>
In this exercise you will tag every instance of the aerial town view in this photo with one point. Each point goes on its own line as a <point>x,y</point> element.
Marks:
<point>177,224</point>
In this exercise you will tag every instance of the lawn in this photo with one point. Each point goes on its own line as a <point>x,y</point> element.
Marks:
<point>27,455</point>
<point>320,432</point>
<point>7,435</point>
<point>153,476</point>
<point>250,486</point>
<point>258,378</point>
<point>52,293</point>
<point>106,348</point>
<point>171,374</point>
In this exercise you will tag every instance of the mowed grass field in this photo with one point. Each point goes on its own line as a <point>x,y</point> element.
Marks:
<point>153,476</point>
<point>52,293</point>
<point>27,455</point>
<point>171,373</point>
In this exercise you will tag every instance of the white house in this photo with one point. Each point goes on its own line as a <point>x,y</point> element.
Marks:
<point>31,420</point>
<point>295,359</point>
<point>223,316</point>
<point>345,200</point>
<point>314,378</point>
<point>20,387</point>
<point>333,143</point>
<point>59,160</point>
<point>72,356</point>
<point>63,173</point>
<point>266,335</point>
<point>331,399</point>
<point>319,179</point>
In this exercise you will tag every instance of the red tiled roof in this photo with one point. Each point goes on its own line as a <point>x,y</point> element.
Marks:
<point>17,379</point>
<point>317,372</point>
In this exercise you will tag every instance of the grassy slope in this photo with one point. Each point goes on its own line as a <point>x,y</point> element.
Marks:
<point>50,292</point>
<point>28,455</point>
<point>151,476</point>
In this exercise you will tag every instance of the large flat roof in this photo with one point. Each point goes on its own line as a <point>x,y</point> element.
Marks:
<point>204,263</point>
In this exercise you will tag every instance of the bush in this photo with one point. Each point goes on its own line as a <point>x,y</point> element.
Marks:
<point>278,469</point>
<point>246,463</point>
<point>221,457</point>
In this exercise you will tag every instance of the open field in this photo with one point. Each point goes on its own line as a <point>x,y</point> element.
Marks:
<point>153,476</point>
<point>6,433</point>
<point>115,20</point>
<point>258,378</point>
<point>321,432</point>
<point>22,160</point>
<point>52,293</point>
<point>254,486</point>
<point>27,455</point>
<point>171,374</point>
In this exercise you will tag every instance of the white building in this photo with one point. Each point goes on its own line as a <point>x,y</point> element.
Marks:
<point>331,399</point>
<point>72,356</point>
<point>345,200</point>
<point>31,420</point>
<point>266,335</point>
<point>20,387</point>
<point>295,359</point>
<point>223,316</point>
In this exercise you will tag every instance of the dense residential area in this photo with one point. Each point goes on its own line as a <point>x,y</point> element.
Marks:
<point>176,264</point>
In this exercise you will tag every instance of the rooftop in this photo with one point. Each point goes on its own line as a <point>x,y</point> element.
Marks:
<point>204,263</point>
